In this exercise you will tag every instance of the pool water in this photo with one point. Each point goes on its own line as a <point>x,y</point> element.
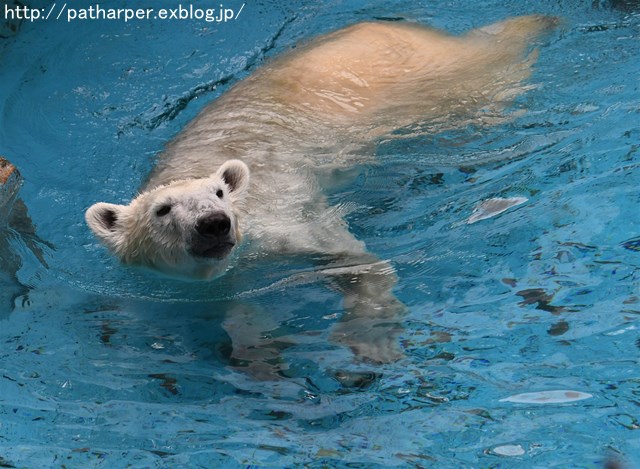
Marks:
<point>521,337</point>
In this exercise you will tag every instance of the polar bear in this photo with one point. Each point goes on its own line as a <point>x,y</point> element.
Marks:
<point>254,164</point>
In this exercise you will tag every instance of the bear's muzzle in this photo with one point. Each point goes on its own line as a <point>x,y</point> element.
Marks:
<point>213,237</point>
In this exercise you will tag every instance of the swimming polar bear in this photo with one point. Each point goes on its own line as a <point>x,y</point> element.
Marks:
<point>255,162</point>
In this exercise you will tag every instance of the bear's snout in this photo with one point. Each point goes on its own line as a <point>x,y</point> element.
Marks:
<point>213,237</point>
<point>214,225</point>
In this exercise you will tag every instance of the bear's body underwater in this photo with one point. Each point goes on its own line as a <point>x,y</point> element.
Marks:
<point>291,125</point>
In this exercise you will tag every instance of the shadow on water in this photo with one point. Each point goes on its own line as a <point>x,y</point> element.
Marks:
<point>10,26</point>
<point>627,6</point>
<point>16,232</point>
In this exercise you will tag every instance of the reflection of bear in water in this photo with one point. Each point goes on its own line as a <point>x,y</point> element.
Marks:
<point>293,125</point>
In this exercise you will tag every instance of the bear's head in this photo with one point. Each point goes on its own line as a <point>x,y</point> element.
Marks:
<point>186,228</point>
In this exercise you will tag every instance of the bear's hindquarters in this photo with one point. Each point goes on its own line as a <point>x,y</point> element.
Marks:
<point>372,78</point>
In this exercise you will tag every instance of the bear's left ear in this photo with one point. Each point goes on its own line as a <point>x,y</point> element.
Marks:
<point>235,174</point>
<point>104,221</point>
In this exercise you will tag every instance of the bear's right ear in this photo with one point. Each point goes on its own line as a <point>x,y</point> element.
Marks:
<point>235,174</point>
<point>103,220</point>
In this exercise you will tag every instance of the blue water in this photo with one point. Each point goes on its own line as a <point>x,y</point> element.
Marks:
<point>104,366</point>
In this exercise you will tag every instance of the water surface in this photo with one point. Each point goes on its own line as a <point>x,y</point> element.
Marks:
<point>104,366</point>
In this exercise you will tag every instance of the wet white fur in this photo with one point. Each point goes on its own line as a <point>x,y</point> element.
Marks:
<point>140,237</point>
<point>301,119</point>
<point>299,123</point>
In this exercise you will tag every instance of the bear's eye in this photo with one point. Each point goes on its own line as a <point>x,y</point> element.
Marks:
<point>162,211</point>
<point>220,194</point>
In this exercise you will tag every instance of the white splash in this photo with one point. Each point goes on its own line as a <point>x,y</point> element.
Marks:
<point>548,397</point>
<point>508,450</point>
<point>492,207</point>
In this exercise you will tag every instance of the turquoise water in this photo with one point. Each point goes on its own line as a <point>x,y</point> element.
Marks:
<point>103,366</point>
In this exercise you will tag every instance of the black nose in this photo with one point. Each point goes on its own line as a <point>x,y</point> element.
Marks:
<point>214,225</point>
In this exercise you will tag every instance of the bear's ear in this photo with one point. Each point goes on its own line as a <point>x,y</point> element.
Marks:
<point>103,220</point>
<point>235,174</point>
